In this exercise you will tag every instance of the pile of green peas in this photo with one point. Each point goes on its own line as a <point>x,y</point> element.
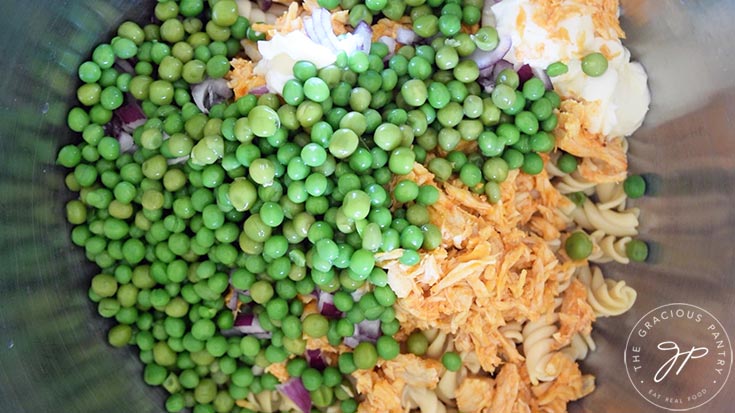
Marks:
<point>280,195</point>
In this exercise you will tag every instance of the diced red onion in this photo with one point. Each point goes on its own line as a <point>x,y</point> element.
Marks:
<point>390,42</point>
<point>357,294</point>
<point>364,34</point>
<point>488,58</point>
<point>366,330</point>
<point>325,304</point>
<point>487,83</point>
<point>209,93</point>
<point>125,66</point>
<point>541,74</point>
<point>323,27</point>
<point>265,4</point>
<point>294,389</point>
<point>500,66</point>
<point>248,324</point>
<point>127,144</point>
<point>176,161</point>
<point>524,73</point>
<point>260,90</point>
<point>406,36</point>
<point>309,29</point>
<point>316,359</point>
<point>131,116</point>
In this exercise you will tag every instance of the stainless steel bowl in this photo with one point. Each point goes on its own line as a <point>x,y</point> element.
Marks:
<point>53,356</point>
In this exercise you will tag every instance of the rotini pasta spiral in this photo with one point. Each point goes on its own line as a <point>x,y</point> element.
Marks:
<point>580,346</point>
<point>611,196</point>
<point>571,183</point>
<point>590,217</point>
<point>439,343</point>
<point>252,11</point>
<point>423,399</point>
<point>607,248</point>
<point>513,331</point>
<point>538,347</point>
<point>268,401</point>
<point>606,297</point>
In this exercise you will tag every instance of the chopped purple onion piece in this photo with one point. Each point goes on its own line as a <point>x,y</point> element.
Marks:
<point>406,36</point>
<point>294,389</point>
<point>524,73</point>
<point>541,74</point>
<point>364,34</point>
<point>486,59</point>
<point>248,324</point>
<point>265,5</point>
<point>316,359</point>
<point>391,43</point>
<point>499,67</point>
<point>366,330</point>
<point>209,93</point>
<point>325,305</point>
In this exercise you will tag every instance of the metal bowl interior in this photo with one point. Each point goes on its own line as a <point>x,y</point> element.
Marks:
<point>53,353</point>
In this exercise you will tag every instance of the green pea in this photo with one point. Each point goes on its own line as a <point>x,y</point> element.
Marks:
<point>578,246</point>
<point>594,64</point>
<point>315,325</point>
<point>452,361</point>
<point>417,343</point>
<point>634,186</point>
<point>426,26</point>
<point>365,355</point>
<point>486,38</point>
<point>636,250</point>
<point>556,69</point>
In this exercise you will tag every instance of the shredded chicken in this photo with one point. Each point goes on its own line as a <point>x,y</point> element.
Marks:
<point>490,269</point>
<point>603,160</point>
<point>242,79</point>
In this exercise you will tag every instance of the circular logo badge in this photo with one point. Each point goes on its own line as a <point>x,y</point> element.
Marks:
<point>678,356</point>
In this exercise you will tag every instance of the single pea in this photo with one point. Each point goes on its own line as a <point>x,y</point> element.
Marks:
<point>567,163</point>
<point>365,355</point>
<point>513,157</point>
<point>470,175</point>
<point>495,169</point>
<point>594,64</point>
<point>634,186</point>
<point>414,92</point>
<point>452,361</point>
<point>503,96</point>
<point>556,69</point>
<point>344,142</point>
<point>426,26</point>
<point>578,246</point>
<point>636,250</point>
<point>387,347</point>
<point>466,71</point>
<point>417,343</point>
<point>315,325</point>
<point>533,164</point>
<point>534,89</point>
<point>486,38</point>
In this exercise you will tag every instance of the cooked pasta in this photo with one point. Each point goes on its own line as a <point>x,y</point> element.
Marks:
<point>580,347</point>
<point>608,248</point>
<point>268,401</point>
<point>611,195</point>
<point>591,217</point>
<point>423,399</point>
<point>538,347</point>
<point>607,297</point>
<point>513,331</point>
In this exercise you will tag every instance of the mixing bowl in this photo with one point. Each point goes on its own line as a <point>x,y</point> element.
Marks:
<point>53,352</point>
